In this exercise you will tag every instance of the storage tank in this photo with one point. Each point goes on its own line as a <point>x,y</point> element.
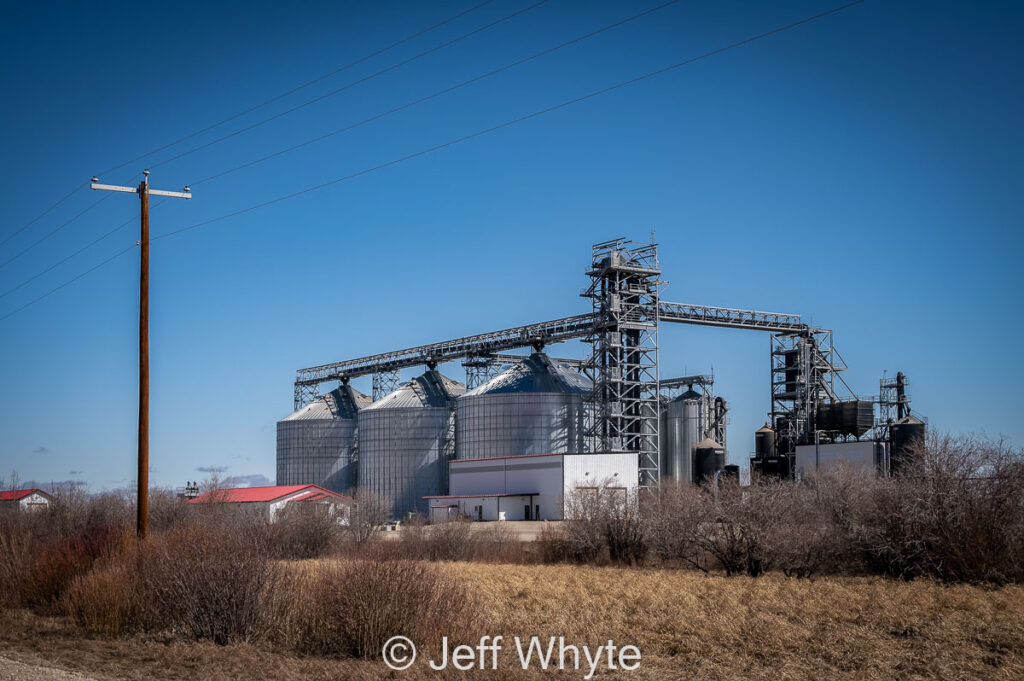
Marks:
<point>536,406</point>
<point>764,442</point>
<point>316,444</point>
<point>709,457</point>
<point>907,434</point>
<point>683,429</point>
<point>403,439</point>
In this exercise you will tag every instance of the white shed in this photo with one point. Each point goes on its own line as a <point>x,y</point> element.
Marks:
<point>25,499</point>
<point>531,487</point>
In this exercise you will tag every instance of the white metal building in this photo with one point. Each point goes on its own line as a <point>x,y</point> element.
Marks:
<point>864,456</point>
<point>531,487</point>
<point>25,499</point>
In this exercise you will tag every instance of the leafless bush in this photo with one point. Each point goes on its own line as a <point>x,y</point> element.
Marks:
<point>801,536</point>
<point>953,512</point>
<point>306,530</point>
<point>552,545</point>
<point>675,514</point>
<point>16,552</point>
<point>207,583</point>
<point>44,551</point>
<point>110,599</point>
<point>350,608</point>
<point>368,513</point>
<point>737,529</point>
<point>168,510</point>
<point>605,518</point>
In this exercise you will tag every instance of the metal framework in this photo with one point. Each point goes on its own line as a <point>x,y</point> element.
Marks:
<point>482,368</point>
<point>893,403</point>
<point>804,368</point>
<point>438,353</point>
<point>625,283</point>
<point>622,329</point>
<point>706,315</point>
<point>385,381</point>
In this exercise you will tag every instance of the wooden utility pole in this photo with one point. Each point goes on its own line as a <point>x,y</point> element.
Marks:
<point>143,190</point>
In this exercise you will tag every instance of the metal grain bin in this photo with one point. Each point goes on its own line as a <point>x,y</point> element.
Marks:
<point>537,406</point>
<point>908,434</point>
<point>316,444</point>
<point>764,442</point>
<point>684,419</point>
<point>709,458</point>
<point>404,442</point>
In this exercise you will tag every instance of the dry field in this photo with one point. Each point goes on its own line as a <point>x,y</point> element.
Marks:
<point>686,625</point>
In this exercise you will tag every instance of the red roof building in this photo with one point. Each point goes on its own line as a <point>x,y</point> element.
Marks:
<point>272,499</point>
<point>25,499</point>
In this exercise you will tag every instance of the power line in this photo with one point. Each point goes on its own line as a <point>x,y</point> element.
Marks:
<point>86,247</point>
<point>67,283</point>
<point>303,85</point>
<point>56,229</point>
<point>254,108</point>
<point>479,133</point>
<point>41,215</point>
<point>52,232</point>
<point>439,93</point>
<point>348,86</point>
<point>514,121</point>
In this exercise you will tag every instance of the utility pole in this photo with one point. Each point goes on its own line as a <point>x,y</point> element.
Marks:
<point>143,190</point>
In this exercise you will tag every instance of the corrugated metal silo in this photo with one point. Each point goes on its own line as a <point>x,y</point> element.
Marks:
<point>316,444</point>
<point>537,406</point>
<point>709,457</point>
<point>908,434</point>
<point>684,420</point>
<point>403,442</point>
<point>764,442</point>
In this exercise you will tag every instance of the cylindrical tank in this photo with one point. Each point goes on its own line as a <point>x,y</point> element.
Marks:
<point>709,457</point>
<point>404,439</point>
<point>764,442</point>
<point>683,429</point>
<point>316,444</point>
<point>536,406</point>
<point>907,434</point>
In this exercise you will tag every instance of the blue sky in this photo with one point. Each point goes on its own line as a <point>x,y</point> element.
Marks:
<point>862,170</point>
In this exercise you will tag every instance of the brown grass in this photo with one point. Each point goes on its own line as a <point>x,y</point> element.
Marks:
<point>685,623</point>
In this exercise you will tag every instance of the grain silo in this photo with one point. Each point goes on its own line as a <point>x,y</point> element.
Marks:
<point>405,442</point>
<point>537,406</point>
<point>683,429</point>
<point>316,444</point>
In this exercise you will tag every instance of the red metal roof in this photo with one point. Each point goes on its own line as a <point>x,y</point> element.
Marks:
<point>16,494</point>
<point>256,494</point>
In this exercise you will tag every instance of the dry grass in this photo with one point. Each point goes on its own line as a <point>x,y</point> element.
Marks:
<point>686,624</point>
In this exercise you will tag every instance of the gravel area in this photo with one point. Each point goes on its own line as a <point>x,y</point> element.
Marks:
<point>11,670</point>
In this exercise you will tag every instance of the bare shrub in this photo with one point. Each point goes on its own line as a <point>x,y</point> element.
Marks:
<point>108,600</point>
<point>368,513</point>
<point>305,530</point>
<point>16,552</point>
<point>168,510</point>
<point>207,584</point>
<point>553,545</point>
<point>737,531</point>
<point>953,512</point>
<point>675,514</point>
<point>801,536</point>
<point>49,549</point>
<point>495,542</point>
<point>350,608</point>
<point>605,518</point>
